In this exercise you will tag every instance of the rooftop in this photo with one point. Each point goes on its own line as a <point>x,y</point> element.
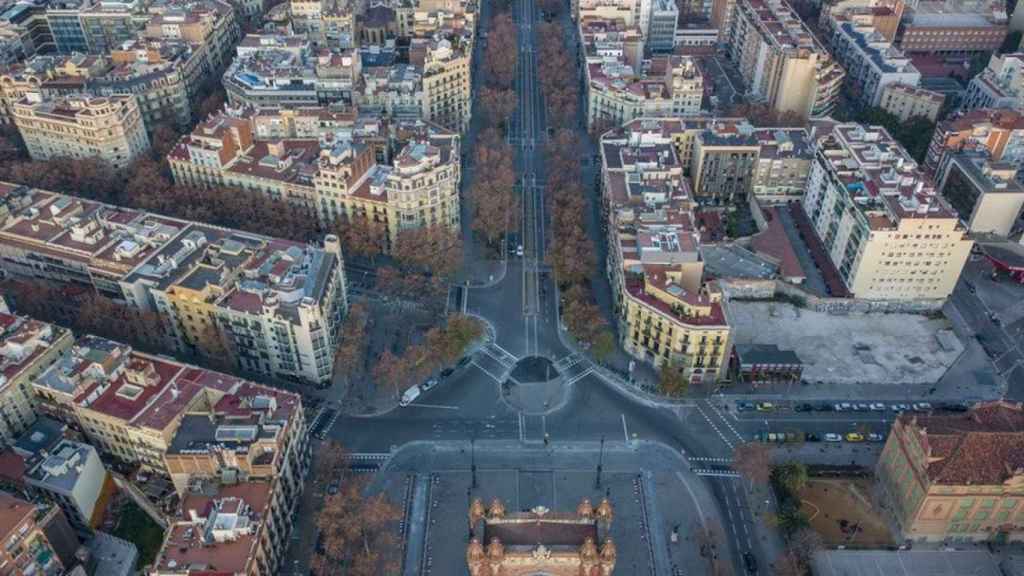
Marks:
<point>984,446</point>
<point>62,467</point>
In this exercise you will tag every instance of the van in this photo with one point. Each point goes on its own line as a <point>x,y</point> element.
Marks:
<point>410,395</point>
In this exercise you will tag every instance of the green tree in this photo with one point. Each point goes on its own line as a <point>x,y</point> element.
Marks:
<point>672,381</point>
<point>791,475</point>
<point>604,345</point>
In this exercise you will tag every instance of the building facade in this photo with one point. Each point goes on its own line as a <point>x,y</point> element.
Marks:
<point>906,102</point>
<point>888,232</point>
<point>985,193</point>
<point>780,60</point>
<point>27,348</point>
<point>71,476</point>
<point>668,313</point>
<point>871,62</point>
<point>999,85</point>
<point>108,128</point>
<point>27,549</point>
<point>998,134</point>
<point>956,477</point>
<point>272,306</point>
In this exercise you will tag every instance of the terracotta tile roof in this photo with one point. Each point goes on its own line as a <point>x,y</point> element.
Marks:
<point>982,447</point>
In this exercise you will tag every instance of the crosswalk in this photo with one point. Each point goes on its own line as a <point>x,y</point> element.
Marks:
<point>716,473</point>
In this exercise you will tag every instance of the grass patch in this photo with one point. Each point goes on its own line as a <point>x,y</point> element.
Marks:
<point>139,529</point>
<point>842,512</point>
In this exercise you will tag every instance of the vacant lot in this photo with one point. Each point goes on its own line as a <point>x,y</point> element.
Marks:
<point>841,511</point>
<point>858,348</point>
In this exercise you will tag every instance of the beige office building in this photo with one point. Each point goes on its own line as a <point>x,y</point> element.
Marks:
<point>108,128</point>
<point>882,223</point>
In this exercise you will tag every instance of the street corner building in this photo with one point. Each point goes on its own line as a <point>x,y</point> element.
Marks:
<point>957,477</point>
<point>540,541</point>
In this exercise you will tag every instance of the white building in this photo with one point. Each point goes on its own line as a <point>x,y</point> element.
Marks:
<point>999,85</point>
<point>886,230</point>
<point>71,475</point>
<point>871,61</point>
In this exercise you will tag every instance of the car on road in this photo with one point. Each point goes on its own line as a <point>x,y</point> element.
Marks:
<point>519,251</point>
<point>862,407</point>
<point>833,437</point>
<point>872,437</point>
<point>922,407</point>
<point>744,406</point>
<point>332,489</point>
<point>750,562</point>
<point>765,407</point>
<point>954,407</point>
<point>447,372</point>
<point>804,408</point>
<point>900,407</point>
<point>878,407</point>
<point>825,407</point>
<point>428,384</point>
<point>812,437</point>
<point>854,437</point>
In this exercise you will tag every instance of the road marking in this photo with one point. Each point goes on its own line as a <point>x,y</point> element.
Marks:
<point>485,371</point>
<point>439,406</point>
<point>724,420</point>
<point>625,431</point>
<point>716,474</point>
<point>700,512</point>
<point>522,434</point>
<point>579,376</point>
<point>713,426</point>
<point>710,459</point>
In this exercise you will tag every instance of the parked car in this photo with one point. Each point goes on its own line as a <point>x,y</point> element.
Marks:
<point>825,407</point>
<point>854,437</point>
<point>839,407</point>
<point>332,489</point>
<point>833,437</point>
<point>744,406</point>
<point>862,407</point>
<point>804,408</point>
<point>447,372</point>
<point>519,251</point>
<point>923,406</point>
<point>428,384</point>
<point>875,437</point>
<point>812,437</point>
<point>878,407</point>
<point>765,407</point>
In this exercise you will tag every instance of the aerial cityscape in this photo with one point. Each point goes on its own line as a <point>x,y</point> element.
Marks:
<point>511,288</point>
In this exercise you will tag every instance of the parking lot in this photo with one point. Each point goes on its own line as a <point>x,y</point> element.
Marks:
<point>886,349</point>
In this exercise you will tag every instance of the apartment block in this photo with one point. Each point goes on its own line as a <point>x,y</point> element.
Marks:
<point>92,26</point>
<point>346,170</point>
<point>781,62</point>
<point>881,221</point>
<point>446,81</point>
<point>723,167</point>
<point>985,193</point>
<point>27,348</point>
<point>661,27</point>
<point>881,15</point>
<point>956,477</point>
<point>108,128</point>
<point>871,62</point>
<point>212,24</point>
<point>948,28</point>
<point>27,548</point>
<point>71,476</point>
<point>668,312</point>
<point>622,85</point>
<point>272,71</point>
<point>999,85</point>
<point>275,306</point>
<point>235,527</point>
<point>906,102</point>
<point>997,134</point>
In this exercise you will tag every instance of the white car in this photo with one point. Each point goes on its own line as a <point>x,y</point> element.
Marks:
<point>410,395</point>
<point>923,406</point>
<point>878,407</point>
<point>519,251</point>
<point>875,437</point>
<point>428,384</point>
<point>833,437</point>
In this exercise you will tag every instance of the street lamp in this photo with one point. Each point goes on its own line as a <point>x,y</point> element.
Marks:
<point>600,465</point>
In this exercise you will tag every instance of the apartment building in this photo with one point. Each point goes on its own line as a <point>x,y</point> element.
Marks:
<point>952,28</point>
<point>622,85</point>
<point>871,61</point>
<point>985,193</point>
<point>146,409</point>
<point>780,60</point>
<point>272,71</point>
<point>881,15</point>
<point>212,24</point>
<point>723,166</point>
<point>108,128</point>
<point>92,26</point>
<point>660,35</point>
<point>235,527</point>
<point>906,102</point>
<point>70,475</point>
<point>888,232</point>
<point>668,312</point>
<point>345,171</point>
<point>271,305</point>
<point>956,477</point>
<point>27,348</point>
<point>998,134</point>
<point>999,85</point>
<point>446,80</point>
<point>31,538</point>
